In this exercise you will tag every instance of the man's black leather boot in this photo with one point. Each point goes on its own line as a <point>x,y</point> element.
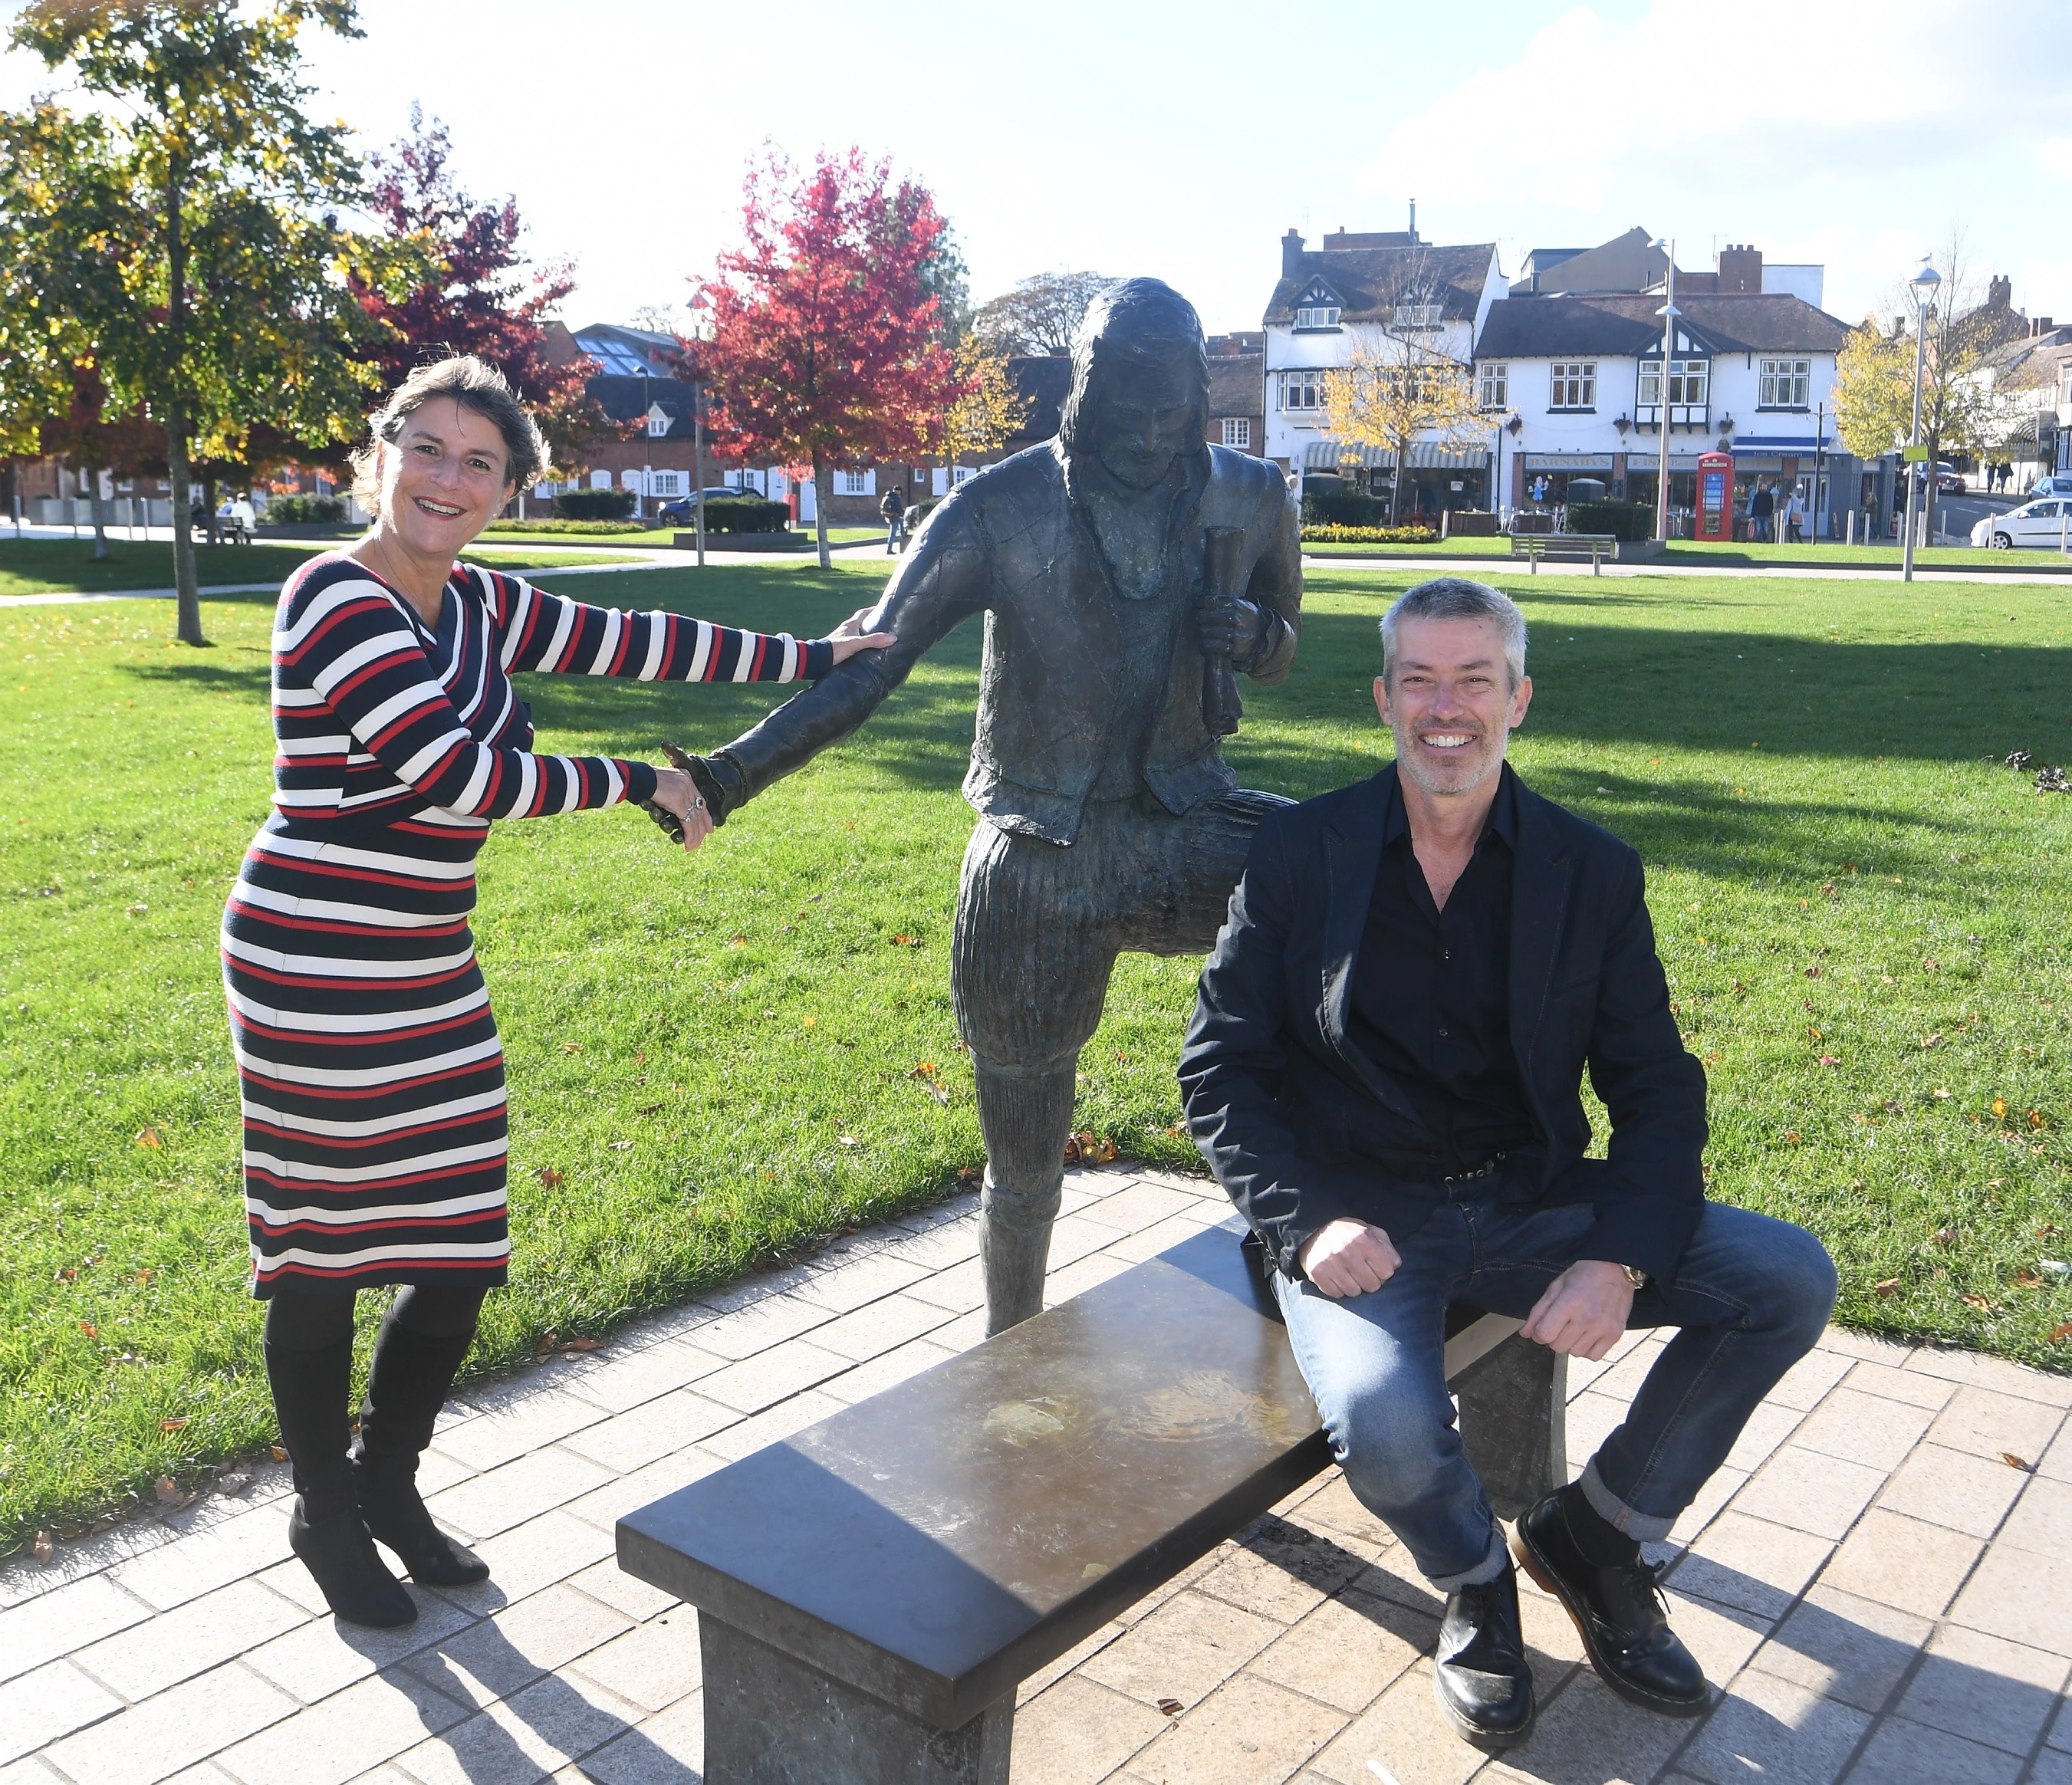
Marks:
<point>1618,1609</point>
<point>1479,1676</point>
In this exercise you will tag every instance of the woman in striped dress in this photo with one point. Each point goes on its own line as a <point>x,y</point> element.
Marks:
<point>372,1076</point>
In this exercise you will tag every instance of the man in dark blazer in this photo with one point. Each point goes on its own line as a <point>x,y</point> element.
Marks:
<point>1384,1071</point>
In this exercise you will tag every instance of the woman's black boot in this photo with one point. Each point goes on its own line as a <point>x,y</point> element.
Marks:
<point>406,1388</point>
<point>310,1392</point>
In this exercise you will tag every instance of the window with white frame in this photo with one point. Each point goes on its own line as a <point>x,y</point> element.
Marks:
<point>1573,384</point>
<point>1784,385</point>
<point>1237,431</point>
<point>658,423</point>
<point>1689,381</point>
<point>856,483</point>
<point>665,483</point>
<point>964,474</point>
<point>1317,315</point>
<point>1495,380</point>
<point>1302,391</point>
<point>1417,316</point>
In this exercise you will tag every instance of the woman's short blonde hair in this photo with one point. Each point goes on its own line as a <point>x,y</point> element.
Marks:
<point>475,384</point>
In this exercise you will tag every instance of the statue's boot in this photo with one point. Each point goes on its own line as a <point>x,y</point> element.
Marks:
<point>1025,1117</point>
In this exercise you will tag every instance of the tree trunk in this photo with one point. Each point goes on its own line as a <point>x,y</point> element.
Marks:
<point>185,583</point>
<point>823,490</point>
<point>99,516</point>
<point>1395,491</point>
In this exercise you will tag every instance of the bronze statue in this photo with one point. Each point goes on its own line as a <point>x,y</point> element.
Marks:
<point>1124,569</point>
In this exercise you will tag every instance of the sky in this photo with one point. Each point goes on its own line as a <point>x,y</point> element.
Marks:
<point>1182,141</point>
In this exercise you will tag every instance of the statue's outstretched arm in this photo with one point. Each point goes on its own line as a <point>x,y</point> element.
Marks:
<point>944,578</point>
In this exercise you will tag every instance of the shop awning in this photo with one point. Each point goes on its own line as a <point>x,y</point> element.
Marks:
<point>1328,455</point>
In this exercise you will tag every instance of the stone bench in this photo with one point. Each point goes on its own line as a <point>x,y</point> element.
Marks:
<point>871,1590</point>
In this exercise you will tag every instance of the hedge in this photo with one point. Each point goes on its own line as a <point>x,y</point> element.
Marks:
<point>1343,508</point>
<point>1622,520</point>
<point>745,515</point>
<point>293,511</point>
<point>594,505</point>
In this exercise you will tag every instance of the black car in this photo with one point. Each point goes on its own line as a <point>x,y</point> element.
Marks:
<point>682,510</point>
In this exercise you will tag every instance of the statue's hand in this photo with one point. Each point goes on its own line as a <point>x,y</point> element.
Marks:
<point>1230,628</point>
<point>717,779</point>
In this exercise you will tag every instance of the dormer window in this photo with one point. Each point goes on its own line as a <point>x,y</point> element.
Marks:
<point>1417,316</point>
<point>1317,316</point>
<point>658,423</point>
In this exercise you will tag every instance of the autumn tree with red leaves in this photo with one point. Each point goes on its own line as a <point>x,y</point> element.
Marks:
<point>482,297</point>
<point>824,347</point>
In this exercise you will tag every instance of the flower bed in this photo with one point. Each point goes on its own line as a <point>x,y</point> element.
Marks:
<point>1329,535</point>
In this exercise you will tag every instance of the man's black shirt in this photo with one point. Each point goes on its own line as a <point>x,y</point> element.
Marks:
<point>1431,1004</point>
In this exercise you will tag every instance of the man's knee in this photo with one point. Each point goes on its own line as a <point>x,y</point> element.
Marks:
<point>1785,1279</point>
<point>1395,1449</point>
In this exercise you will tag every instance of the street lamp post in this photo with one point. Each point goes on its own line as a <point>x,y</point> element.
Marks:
<point>1922,285</point>
<point>1668,313</point>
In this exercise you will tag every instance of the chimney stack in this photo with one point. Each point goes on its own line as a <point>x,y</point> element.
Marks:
<point>2040,325</point>
<point>1999,293</point>
<point>1291,253</point>
<point>1740,268</point>
<point>1413,221</point>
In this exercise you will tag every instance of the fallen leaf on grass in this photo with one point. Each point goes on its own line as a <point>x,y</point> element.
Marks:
<point>280,1452</point>
<point>1999,1106</point>
<point>1831,1059</point>
<point>1791,1138</point>
<point>1978,1302</point>
<point>2028,1279</point>
<point>1945,1236</point>
<point>89,1329</point>
<point>649,1109</point>
<point>2058,1333</point>
<point>42,1547</point>
<point>68,1274</point>
<point>847,1140</point>
<point>2014,1461</point>
<point>571,1047</point>
<point>1088,1149</point>
<point>1889,1287</point>
<point>905,942</point>
<point>548,1179</point>
<point>1941,1093</point>
<point>1931,1041</point>
<point>582,1345</point>
<point>167,1491</point>
<point>1931,965</point>
<point>172,1425</point>
<point>149,1137</point>
<point>618,1146</point>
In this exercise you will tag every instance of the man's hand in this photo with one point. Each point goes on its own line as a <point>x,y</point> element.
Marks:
<point>1229,627</point>
<point>1345,1257</point>
<point>1584,1311</point>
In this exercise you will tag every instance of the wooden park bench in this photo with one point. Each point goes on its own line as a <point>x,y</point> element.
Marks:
<point>1596,547</point>
<point>871,1590</point>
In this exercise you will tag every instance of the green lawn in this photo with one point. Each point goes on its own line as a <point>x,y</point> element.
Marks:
<point>1706,552</point>
<point>665,535</point>
<point>716,1055</point>
<point>47,566</point>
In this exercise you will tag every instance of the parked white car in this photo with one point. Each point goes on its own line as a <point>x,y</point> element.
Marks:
<point>2035,524</point>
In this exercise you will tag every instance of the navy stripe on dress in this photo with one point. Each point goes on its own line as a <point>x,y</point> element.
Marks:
<point>372,1077</point>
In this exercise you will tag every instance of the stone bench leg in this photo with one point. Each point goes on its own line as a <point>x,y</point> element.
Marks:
<point>773,1720</point>
<point>1514,1405</point>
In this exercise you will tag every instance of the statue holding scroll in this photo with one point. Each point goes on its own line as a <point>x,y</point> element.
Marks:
<point>1126,571</point>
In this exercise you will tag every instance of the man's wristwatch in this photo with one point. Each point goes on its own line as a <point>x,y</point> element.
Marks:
<point>1636,1276</point>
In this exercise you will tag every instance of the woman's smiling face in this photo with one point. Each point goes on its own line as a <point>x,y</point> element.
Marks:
<point>444,478</point>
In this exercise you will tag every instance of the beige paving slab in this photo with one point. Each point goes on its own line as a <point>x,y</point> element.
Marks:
<point>1891,1382</point>
<point>1905,1753</point>
<point>191,1722</point>
<point>52,1624</point>
<point>651,1665</point>
<point>324,1656</point>
<point>1862,1427</point>
<point>531,1483</point>
<point>1139,1208</point>
<point>1985,1688</point>
<point>191,1639</point>
<point>1750,1564</point>
<point>1954,1488</point>
<point>637,1376</point>
<point>2020,1595</point>
<point>1184,1649</point>
<point>1587,1736</point>
<point>1252,1733</point>
<point>1976,1369</point>
<point>1902,1562</point>
<point>524,1426</point>
<point>1988,1423</point>
<point>173,1574</point>
<point>772,1424</point>
<point>843,1287</point>
<point>667,1749</point>
<point>1081,1275</point>
<point>530,1556</point>
<point>886,1370</point>
<point>2041,1520</point>
<point>1347,1651</point>
<point>1840,1647</point>
<point>46,1703</point>
<point>508,1651</point>
<point>345,1734</point>
<point>1401,1736</point>
<point>762,1381</point>
<point>1807,1492</point>
<point>526,1737</point>
<point>878,1327</point>
<point>1768,1728</point>
<point>606,1506</point>
<point>1078,1733</point>
<point>654,1430</point>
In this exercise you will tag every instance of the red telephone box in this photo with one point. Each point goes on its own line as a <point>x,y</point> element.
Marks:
<point>1715,518</point>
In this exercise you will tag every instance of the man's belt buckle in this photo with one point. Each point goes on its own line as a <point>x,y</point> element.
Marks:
<point>1486,1169</point>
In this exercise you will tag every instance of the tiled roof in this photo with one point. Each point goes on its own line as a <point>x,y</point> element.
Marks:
<point>1620,325</point>
<point>1368,283</point>
<point>1237,384</point>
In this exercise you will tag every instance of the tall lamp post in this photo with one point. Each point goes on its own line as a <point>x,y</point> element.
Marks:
<point>1668,313</point>
<point>1922,285</point>
<point>698,305</point>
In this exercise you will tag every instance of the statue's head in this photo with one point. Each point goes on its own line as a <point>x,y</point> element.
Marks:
<point>1140,394</point>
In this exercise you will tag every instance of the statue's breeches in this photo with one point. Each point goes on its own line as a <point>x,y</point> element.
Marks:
<point>1039,924</point>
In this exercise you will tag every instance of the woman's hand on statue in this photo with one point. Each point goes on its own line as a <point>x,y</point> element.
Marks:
<point>1347,1257</point>
<point>849,637</point>
<point>676,792</point>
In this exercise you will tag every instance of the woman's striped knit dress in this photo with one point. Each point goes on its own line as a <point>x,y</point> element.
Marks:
<point>372,1076</point>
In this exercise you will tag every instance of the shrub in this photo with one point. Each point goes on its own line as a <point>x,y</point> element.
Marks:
<point>588,529</point>
<point>293,511</point>
<point>594,505</point>
<point>1329,534</point>
<point>1621,519</point>
<point>1343,508</point>
<point>746,514</point>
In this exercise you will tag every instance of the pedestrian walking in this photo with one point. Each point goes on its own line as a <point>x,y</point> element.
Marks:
<point>893,508</point>
<point>1794,517</point>
<point>1762,505</point>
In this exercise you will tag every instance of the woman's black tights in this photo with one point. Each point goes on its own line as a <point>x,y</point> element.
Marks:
<point>306,1323</point>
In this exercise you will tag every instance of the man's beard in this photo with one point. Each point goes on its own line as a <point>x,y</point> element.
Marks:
<point>1480,758</point>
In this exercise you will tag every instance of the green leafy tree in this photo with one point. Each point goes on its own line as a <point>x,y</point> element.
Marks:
<point>224,305</point>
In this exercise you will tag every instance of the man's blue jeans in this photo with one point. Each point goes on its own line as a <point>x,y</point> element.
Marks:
<point>1751,1295</point>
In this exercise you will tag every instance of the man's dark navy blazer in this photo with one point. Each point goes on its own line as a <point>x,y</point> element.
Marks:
<point>1273,1087</point>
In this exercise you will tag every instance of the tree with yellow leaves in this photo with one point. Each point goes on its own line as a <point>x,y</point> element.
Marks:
<point>1397,394</point>
<point>987,409</point>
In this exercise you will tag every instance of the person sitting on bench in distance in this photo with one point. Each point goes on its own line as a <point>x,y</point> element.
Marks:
<point>1384,1072</point>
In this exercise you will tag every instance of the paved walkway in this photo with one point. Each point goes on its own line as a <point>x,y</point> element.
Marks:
<point>1985,571</point>
<point>1880,1580</point>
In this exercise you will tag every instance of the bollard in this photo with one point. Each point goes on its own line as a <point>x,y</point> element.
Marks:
<point>1852,526</point>
<point>1596,566</point>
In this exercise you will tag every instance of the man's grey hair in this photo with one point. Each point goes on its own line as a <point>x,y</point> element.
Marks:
<point>1458,598</point>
